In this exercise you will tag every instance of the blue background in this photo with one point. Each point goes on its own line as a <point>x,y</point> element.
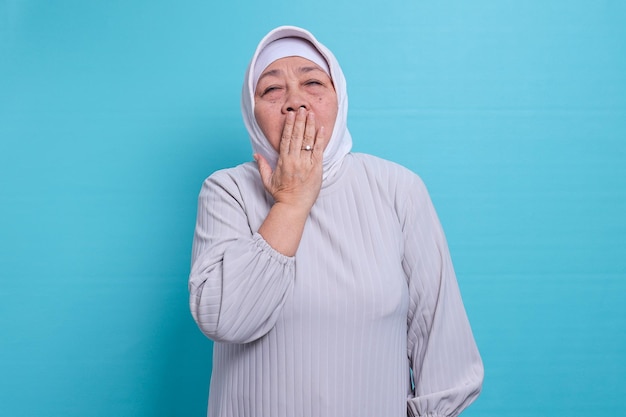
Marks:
<point>112,113</point>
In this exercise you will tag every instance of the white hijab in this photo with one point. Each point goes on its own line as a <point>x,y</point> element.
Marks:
<point>340,140</point>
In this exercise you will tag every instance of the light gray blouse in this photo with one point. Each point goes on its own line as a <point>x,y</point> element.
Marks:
<point>366,320</point>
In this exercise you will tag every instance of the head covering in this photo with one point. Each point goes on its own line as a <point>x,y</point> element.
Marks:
<point>285,47</point>
<point>340,140</point>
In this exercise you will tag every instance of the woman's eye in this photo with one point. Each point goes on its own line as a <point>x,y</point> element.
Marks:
<point>270,90</point>
<point>313,82</point>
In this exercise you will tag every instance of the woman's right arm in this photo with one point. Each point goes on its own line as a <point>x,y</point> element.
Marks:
<point>238,282</point>
<point>240,278</point>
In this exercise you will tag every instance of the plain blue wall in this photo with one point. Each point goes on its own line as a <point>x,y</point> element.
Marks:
<point>112,113</point>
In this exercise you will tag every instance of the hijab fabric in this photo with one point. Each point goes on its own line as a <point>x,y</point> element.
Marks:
<point>340,140</point>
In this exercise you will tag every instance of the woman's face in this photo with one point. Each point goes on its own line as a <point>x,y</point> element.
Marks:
<point>288,84</point>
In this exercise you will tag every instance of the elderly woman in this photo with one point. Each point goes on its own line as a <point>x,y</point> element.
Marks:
<point>323,276</point>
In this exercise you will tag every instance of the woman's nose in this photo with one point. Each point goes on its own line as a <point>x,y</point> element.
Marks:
<point>295,108</point>
<point>294,102</point>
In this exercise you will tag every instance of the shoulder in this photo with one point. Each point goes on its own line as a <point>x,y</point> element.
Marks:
<point>387,174</point>
<point>402,188</point>
<point>235,181</point>
<point>244,172</point>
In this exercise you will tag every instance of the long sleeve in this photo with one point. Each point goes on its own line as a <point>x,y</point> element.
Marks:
<point>447,368</point>
<point>238,283</point>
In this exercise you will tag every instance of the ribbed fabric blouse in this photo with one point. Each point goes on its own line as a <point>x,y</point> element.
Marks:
<point>337,330</point>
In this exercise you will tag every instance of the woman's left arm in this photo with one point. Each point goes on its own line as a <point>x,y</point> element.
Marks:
<point>447,368</point>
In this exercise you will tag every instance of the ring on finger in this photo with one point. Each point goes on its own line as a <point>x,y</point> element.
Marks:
<point>306,148</point>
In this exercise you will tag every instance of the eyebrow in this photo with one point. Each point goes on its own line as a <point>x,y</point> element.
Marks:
<point>272,73</point>
<point>304,70</point>
<point>276,72</point>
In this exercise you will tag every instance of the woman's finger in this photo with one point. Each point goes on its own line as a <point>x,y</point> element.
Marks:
<point>285,139</point>
<point>298,131</point>
<point>308,139</point>
<point>321,140</point>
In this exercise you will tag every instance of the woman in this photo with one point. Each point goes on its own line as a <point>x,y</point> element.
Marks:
<point>323,276</point>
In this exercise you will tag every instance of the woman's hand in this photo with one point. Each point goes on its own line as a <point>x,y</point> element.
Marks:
<point>296,181</point>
